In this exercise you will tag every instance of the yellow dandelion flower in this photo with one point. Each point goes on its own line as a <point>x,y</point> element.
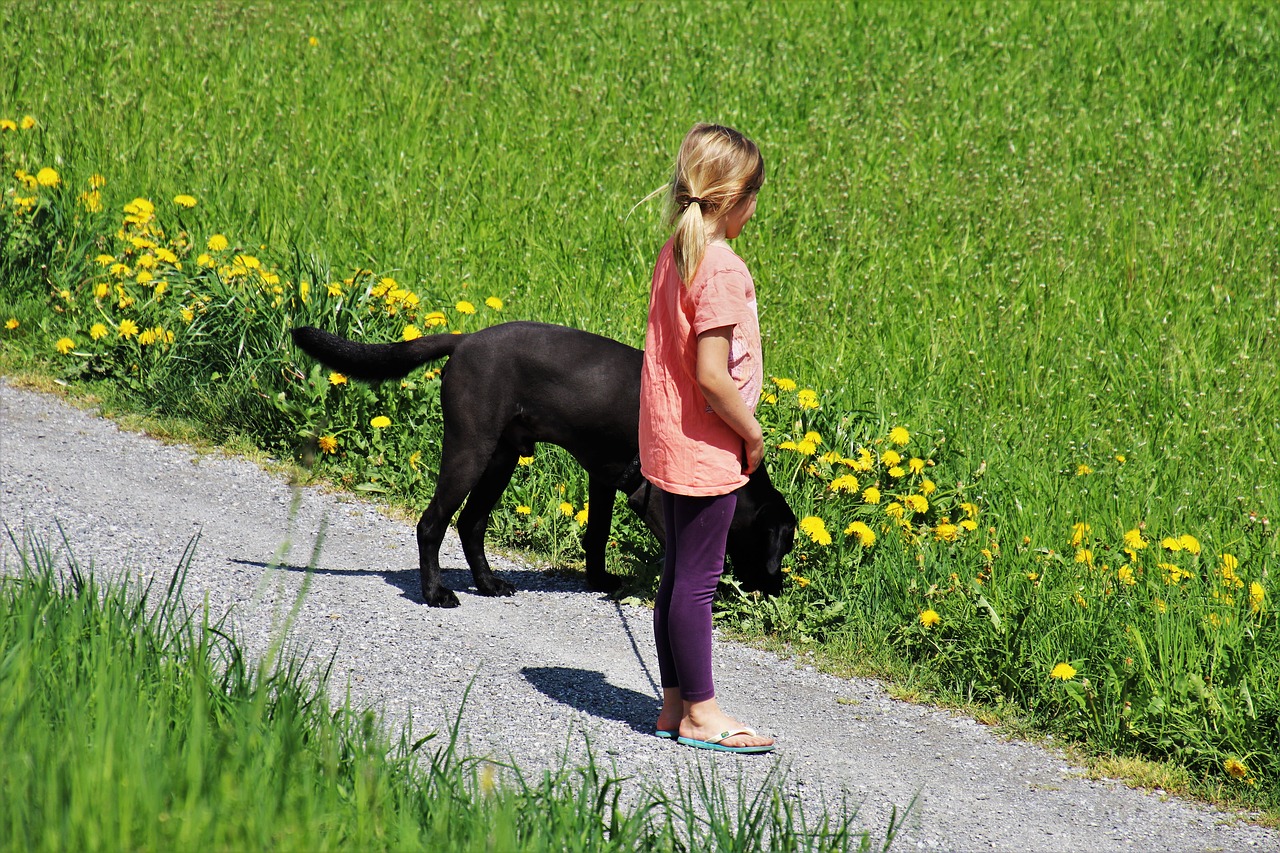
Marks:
<point>1125,573</point>
<point>787,445</point>
<point>328,444</point>
<point>1189,543</point>
<point>871,495</point>
<point>946,532</point>
<point>890,457</point>
<point>184,201</point>
<point>1084,555</point>
<point>1169,543</point>
<point>1082,470</point>
<point>524,510</point>
<point>1257,597</point>
<point>1133,539</point>
<point>916,465</point>
<point>1235,768</point>
<point>1120,458</point>
<point>336,378</point>
<point>1079,533</point>
<point>1160,605</point>
<point>866,536</point>
<point>524,461</point>
<point>27,122</point>
<point>8,124</point>
<point>816,529</point>
<point>96,181</point>
<point>1080,601</point>
<point>380,422</point>
<point>217,243</point>
<point>1063,672</point>
<point>865,461</point>
<point>807,399</point>
<point>91,201</point>
<point>147,337</point>
<point>929,618</point>
<point>494,303</point>
<point>582,515</point>
<point>917,503</point>
<point>806,447</point>
<point>894,509</point>
<point>127,329</point>
<point>464,307</point>
<point>97,331</point>
<point>844,483</point>
<point>188,315</point>
<point>928,487</point>
<point>566,509</point>
<point>144,277</point>
<point>48,177</point>
<point>64,345</point>
<point>435,318</point>
<point>897,472</point>
<point>968,524</point>
<point>410,333</point>
<point>899,436</point>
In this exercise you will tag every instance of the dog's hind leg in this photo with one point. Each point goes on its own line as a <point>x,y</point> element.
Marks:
<point>475,519</point>
<point>599,523</point>
<point>460,470</point>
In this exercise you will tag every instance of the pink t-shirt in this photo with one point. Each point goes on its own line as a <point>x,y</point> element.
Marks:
<point>685,447</point>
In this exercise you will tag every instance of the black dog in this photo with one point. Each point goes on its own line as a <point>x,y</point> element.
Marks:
<point>509,386</point>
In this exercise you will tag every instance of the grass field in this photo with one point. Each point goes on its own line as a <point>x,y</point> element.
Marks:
<point>1039,239</point>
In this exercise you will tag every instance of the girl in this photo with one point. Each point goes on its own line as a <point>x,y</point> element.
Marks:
<point>699,438</point>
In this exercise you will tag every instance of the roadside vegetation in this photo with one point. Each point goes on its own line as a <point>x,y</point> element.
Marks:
<point>133,723</point>
<point>1019,275</point>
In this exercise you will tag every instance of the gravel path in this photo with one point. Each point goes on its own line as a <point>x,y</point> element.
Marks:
<point>554,667</point>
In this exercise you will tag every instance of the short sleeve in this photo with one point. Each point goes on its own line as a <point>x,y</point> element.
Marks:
<point>721,300</point>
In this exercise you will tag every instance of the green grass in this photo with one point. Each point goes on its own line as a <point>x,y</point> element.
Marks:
<point>1041,237</point>
<point>132,722</point>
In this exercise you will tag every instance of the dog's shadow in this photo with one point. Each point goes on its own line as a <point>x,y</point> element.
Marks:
<point>409,581</point>
<point>588,691</point>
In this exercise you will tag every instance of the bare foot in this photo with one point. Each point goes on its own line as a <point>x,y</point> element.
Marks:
<point>705,721</point>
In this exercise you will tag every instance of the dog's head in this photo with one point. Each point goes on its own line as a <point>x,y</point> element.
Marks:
<point>762,533</point>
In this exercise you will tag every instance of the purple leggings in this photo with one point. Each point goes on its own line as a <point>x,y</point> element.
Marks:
<point>697,529</point>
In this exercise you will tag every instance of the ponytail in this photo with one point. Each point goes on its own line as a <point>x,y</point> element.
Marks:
<point>716,168</point>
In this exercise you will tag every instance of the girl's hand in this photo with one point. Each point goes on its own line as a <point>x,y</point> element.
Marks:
<point>722,393</point>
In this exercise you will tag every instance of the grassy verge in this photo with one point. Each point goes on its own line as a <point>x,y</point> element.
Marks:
<point>132,722</point>
<point>1018,268</point>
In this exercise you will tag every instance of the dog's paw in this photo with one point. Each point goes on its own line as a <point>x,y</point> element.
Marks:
<point>604,582</point>
<point>495,587</point>
<point>441,597</point>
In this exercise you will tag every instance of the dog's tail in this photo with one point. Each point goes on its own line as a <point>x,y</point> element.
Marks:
<point>373,362</point>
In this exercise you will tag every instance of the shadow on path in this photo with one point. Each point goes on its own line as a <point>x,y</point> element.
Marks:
<point>588,691</point>
<point>409,581</point>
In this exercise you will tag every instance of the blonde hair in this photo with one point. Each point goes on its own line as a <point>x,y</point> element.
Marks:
<point>717,167</point>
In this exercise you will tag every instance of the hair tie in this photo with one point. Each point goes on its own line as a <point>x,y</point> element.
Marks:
<point>694,200</point>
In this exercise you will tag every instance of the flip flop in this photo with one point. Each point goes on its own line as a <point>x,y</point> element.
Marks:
<point>665,735</point>
<point>718,743</point>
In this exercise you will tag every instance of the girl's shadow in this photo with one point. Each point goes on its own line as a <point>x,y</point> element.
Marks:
<point>588,691</point>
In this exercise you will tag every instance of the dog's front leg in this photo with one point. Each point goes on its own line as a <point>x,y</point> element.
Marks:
<point>599,524</point>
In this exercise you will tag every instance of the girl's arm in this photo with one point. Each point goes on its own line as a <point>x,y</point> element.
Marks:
<point>722,393</point>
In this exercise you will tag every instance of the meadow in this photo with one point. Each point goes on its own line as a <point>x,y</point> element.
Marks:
<point>1018,270</point>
